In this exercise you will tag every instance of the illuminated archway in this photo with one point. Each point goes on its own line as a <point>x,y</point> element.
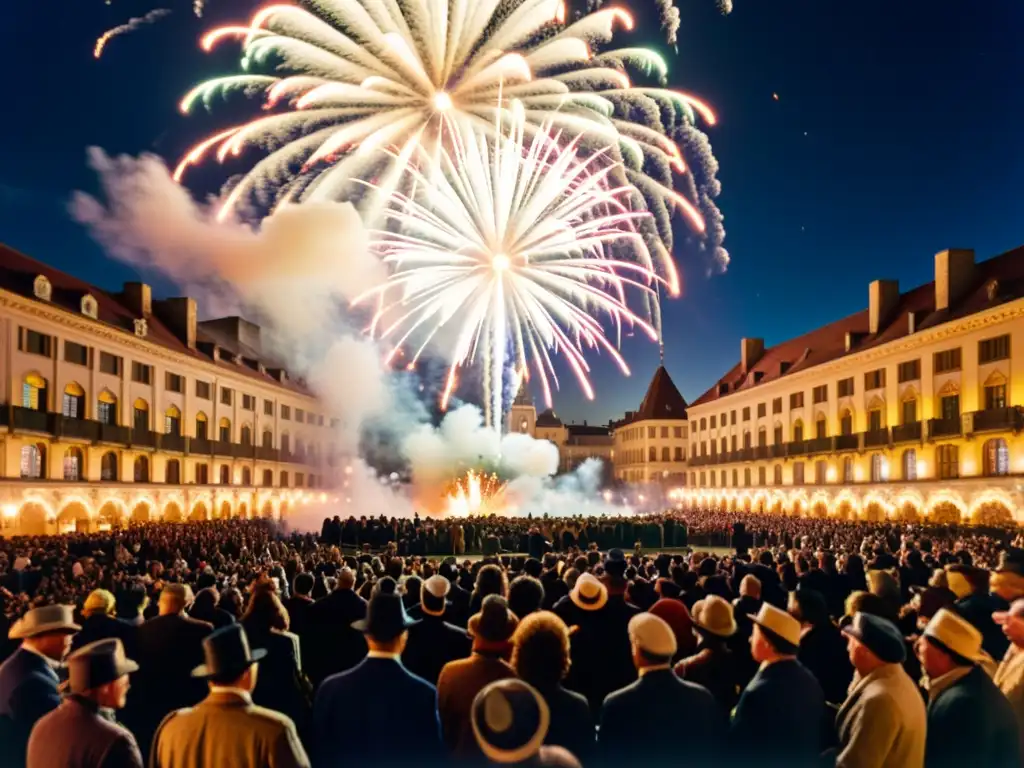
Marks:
<point>268,509</point>
<point>873,512</point>
<point>142,512</point>
<point>819,510</point>
<point>172,513</point>
<point>73,517</point>
<point>993,513</point>
<point>111,514</point>
<point>945,513</point>
<point>844,510</point>
<point>33,520</point>
<point>225,510</point>
<point>199,511</point>
<point>243,510</point>
<point>908,512</point>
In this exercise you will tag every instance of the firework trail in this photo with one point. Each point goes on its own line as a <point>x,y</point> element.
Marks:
<point>512,246</point>
<point>669,21</point>
<point>725,6</point>
<point>129,26</point>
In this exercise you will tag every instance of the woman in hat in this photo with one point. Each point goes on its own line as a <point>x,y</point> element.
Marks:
<point>714,665</point>
<point>510,722</point>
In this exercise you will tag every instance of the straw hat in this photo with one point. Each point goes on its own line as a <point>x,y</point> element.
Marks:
<point>589,593</point>
<point>653,635</point>
<point>779,625</point>
<point>98,601</point>
<point>951,632</point>
<point>714,615</point>
<point>510,720</point>
<point>45,619</point>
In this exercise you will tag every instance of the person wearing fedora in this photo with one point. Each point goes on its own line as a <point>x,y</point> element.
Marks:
<point>434,642</point>
<point>348,729</point>
<point>969,719</point>
<point>822,648</point>
<point>882,720</point>
<point>491,631</point>
<point>651,720</point>
<point>226,728</point>
<point>328,641</point>
<point>28,678</point>
<point>780,717</point>
<point>714,666</point>
<point>82,732</point>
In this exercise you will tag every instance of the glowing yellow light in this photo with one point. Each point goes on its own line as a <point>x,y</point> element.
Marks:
<point>922,469</point>
<point>323,498</point>
<point>500,262</point>
<point>10,510</point>
<point>442,101</point>
<point>830,475</point>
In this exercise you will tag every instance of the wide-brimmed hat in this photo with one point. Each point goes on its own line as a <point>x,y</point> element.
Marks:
<point>780,627</point>
<point>878,635</point>
<point>714,615</point>
<point>99,601</point>
<point>43,620</point>
<point>589,593</point>
<point>97,664</point>
<point>510,721</point>
<point>965,580</point>
<point>955,634</point>
<point>385,618</point>
<point>227,654</point>
<point>495,623</point>
<point>615,564</point>
<point>433,595</point>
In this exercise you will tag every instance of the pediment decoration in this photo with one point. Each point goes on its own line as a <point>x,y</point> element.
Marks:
<point>41,288</point>
<point>141,327</point>
<point>90,307</point>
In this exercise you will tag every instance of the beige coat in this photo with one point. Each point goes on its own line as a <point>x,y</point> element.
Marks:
<point>227,729</point>
<point>882,722</point>
<point>1010,680</point>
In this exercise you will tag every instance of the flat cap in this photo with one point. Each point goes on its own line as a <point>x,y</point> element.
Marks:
<point>653,635</point>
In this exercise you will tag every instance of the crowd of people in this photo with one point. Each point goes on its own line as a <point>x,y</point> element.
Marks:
<point>569,641</point>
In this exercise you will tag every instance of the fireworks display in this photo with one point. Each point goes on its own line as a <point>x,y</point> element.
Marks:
<point>508,248</point>
<point>130,25</point>
<point>475,494</point>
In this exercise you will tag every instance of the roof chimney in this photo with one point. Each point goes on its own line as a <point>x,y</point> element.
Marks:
<point>179,314</point>
<point>751,351</point>
<point>954,270</point>
<point>883,298</point>
<point>138,297</point>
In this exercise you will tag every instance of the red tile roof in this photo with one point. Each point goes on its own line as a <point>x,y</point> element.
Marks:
<point>662,401</point>
<point>548,419</point>
<point>828,343</point>
<point>18,273</point>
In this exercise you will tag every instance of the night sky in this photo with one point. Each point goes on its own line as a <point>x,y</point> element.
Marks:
<point>895,135</point>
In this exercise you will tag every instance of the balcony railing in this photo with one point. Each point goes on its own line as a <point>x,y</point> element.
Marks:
<point>876,438</point>
<point>907,433</point>
<point>266,454</point>
<point>114,433</point>
<point>796,448</point>
<point>847,442</point>
<point>200,445</point>
<point>80,428</point>
<point>761,452</point>
<point>997,420</point>
<point>243,451</point>
<point>222,448</point>
<point>747,454</point>
<point>820,445</point>
<point>28,418</point>
<point>173,443</point>
<point>944,427</point>
<point>144,437</point>
<point>777,451</point>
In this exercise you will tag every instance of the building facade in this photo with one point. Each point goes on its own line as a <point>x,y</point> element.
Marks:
<point>909,409</point>
<point>576,442</point>
<point>651,444</point>
<point>120,407</point>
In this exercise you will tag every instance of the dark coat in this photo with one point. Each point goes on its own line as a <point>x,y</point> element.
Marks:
<point>661,720</point>
<point>378,705</point>
<point>716,668</point>
<point>779,718</point>
<point>99,626</point>
<point>572,724</point>
<point>280,684</point>
<point>457,686</point>
<point>329,644</point>
<point>978,609</point>
<point>218,617</point>
<point>823,651</point>
<point>28,690</point>
<point>169,648</point>
<point>972,723</point>
<point>78,734</point>
<point>432,644</point>
<point>297,606</point>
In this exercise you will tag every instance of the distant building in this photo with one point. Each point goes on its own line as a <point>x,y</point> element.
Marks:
<point>576,442</point>
<point>650,444</point>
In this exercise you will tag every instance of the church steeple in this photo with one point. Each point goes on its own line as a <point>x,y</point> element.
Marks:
<point>522,416</point>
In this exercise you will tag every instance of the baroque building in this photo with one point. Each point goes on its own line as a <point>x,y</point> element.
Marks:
<point>651,443</point>
<point>576,442</point>
<point>910,408</point>
<point>118,407</point>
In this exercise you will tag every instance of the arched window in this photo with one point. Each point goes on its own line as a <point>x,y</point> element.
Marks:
<point>106,407</point>
<point>948,459</point>
<point>798,473</point>
<point>762,437</point>
<point>735,478</point>
<point>225,474</point>
<point>246,434</point>
<point>172,421</point>
<point>73,464</point>
<point>821,427</point>
<point>746,439</point>
<point>108,467</point>
<point>268,438</point>
<point>846,423</point>
<point>172,475</point>
<point>746,477</point>
<point>73,403</point>
<point>141,472</point>
<point>202,426</point>
<point>33,461</point>
<point>652,452</point>
<point>820,472</point>
<point>246,476</point>
<point>798,431</point>
<point>225,430</point>
<point>910,464</point>
<point>33,392</point>
<point>284,479</point>
<point>140,415</point>
<point>848,474</point>
<point>202,474</point>
<point>285,442</point>
<point>777,479</point>
<point>877,468</point>
<point>908,410</point>
<point>268,477</point>
<point>725,445</point>
<point>996,457</point>
<point>300,450</point>
<point>666,454</point>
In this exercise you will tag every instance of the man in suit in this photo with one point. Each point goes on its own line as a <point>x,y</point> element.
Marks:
<point>650,720</point>
<point>28,680</point>
<point>169,646</point>
<point>82,732</point>
<point>780,717</point>
<point>347,730</point>
<point>434,642</point>
<point>300,601</point>
<point>882,720</point>
<point>970,722</point>
<point>329,643</point>
<point>1010,674</point>
<point>99,623</point>
<point>226,728</point>
<point>460,681</point>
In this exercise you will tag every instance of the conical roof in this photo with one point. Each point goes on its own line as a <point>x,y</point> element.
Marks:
<point>662,400</point>
<point>523,395</point>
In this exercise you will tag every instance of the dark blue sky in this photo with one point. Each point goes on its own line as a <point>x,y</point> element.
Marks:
<point>896,134</point>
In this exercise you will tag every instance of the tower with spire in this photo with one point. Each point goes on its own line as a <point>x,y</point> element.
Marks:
<point>522,416</point>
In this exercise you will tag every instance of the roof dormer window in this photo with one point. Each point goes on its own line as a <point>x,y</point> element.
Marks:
<point>90,308</point>
<point>42,288</point>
